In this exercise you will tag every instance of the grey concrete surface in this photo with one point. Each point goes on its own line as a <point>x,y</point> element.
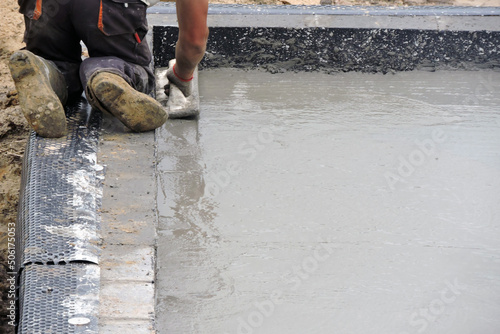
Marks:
<point>424,18</point>
<point>347,203</point>
<point>128,229</point>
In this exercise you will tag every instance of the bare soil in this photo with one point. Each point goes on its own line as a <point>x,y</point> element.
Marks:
<point>13,136</point>
<point>14,129</point>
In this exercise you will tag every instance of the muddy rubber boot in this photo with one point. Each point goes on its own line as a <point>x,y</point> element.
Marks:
<point>139,112</point>
<point>42,93</point>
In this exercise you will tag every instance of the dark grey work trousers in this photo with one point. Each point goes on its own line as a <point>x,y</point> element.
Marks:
<point>114,32</point>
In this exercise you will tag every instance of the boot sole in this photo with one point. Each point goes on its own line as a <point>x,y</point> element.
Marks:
<point>40,105</point>
<point>138,111</point>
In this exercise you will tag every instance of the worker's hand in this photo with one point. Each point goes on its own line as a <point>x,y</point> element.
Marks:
<point>181,98</point>
<point>184,84</point>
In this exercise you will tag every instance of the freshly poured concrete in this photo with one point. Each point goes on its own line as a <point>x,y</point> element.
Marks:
<point>347,203</point>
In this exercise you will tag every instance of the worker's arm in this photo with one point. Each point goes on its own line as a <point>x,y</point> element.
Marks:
<point>191,45</point>
<point>193,35</point>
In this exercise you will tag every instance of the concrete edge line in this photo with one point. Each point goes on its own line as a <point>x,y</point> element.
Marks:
<point>128,229</point>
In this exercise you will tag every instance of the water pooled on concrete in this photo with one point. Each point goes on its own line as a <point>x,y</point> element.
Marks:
<point>348,203</point>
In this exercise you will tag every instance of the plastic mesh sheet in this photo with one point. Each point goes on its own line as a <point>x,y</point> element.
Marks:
<point>60,194</point>
<point>57,235</point>
<point>59,299</point>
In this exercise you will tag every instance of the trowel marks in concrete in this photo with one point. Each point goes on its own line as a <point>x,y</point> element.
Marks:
<point>351,203</point>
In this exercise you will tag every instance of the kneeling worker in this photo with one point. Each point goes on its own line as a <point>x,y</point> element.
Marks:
<point>116,77</point>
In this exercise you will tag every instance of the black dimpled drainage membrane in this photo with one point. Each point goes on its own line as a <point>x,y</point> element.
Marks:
<point>338,49</point>
<point>58,229</point>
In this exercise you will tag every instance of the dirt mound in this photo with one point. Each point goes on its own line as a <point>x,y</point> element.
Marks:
<point>13,135</point>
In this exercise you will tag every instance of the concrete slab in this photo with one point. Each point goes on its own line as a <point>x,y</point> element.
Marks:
<point>346,203</point>
<point>126,301</point>
<point>128,229</point>
<point>128,263</point>
<point>131,327</point>
<point>128,206</point>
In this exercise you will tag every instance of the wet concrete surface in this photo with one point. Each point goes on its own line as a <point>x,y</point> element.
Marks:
<point>348,203</point>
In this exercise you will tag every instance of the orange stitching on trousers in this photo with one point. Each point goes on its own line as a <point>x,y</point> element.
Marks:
<point>38,10</point>
<point>100,25</point>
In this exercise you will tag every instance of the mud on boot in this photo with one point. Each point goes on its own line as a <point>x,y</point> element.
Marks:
<point>139,112</point>
<point>42,93</point>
